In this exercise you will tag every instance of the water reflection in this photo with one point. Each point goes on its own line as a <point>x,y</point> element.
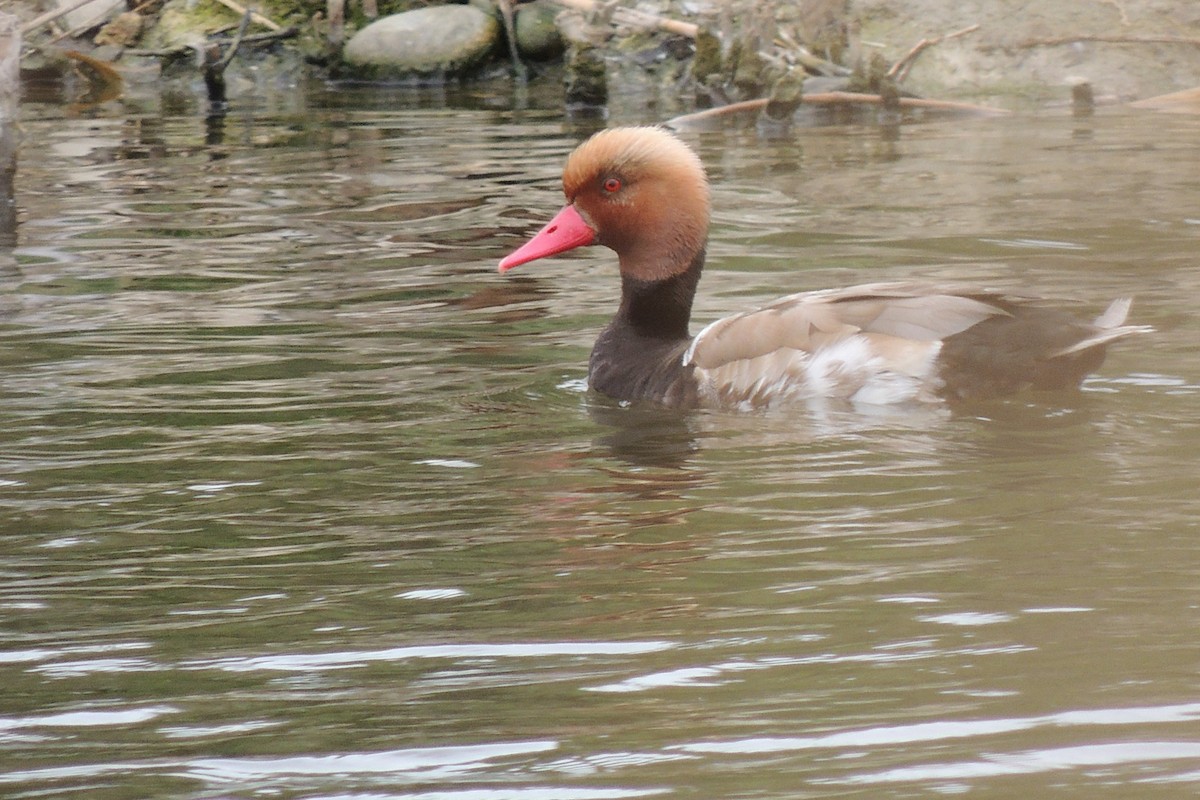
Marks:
<point>298,496</point>
<point>645,436</point>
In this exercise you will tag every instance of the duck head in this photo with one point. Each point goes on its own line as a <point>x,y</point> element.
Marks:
<point>639,191</point>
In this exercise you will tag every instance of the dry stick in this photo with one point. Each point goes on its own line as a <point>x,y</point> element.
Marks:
<point>628,16</point>
<point>259,18</point>
<point>901,68</point>
<point>834,98</point>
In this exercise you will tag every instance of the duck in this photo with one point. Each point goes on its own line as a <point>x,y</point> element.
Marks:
<point>644,193</point>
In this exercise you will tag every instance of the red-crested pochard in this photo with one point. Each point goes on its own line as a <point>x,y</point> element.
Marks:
<point>644,194</point>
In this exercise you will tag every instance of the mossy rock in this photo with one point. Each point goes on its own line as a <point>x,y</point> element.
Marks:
<point>177,25</point>
<point>432,43</point>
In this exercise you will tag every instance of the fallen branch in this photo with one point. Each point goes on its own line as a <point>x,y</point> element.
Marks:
<point>1086,37</point>
<point>900,69</point>
<point>833,99</point>
<point>632,17</point>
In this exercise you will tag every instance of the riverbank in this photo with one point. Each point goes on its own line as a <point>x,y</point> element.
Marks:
<point>698,53</point>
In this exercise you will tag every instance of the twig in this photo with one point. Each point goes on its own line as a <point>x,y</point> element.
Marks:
<point>831,99</point>
<point>629,16</point>
<point>259,18</point>
<point>254,38</point>
<point>900,69</point>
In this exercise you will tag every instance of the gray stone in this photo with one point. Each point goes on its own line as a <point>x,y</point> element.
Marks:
<point>431,43</point>
<point>537,34</point>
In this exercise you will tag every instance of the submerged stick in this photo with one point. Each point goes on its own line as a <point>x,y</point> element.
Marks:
<point>214,72</point>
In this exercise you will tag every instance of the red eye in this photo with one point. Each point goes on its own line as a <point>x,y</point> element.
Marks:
<point>612,185</point>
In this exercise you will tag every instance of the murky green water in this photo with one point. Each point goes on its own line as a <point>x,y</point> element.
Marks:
<point>299,498</point>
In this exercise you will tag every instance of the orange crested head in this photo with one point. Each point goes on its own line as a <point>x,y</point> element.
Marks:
<point>639,191</point>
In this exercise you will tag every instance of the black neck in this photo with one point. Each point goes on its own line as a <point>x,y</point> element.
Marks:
<point>661,309</point>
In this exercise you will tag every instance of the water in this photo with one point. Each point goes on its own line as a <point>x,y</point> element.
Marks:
<point>299,498</point>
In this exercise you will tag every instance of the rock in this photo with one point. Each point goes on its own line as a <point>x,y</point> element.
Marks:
<point>435,43</point>
<point>122,31</point>
<point>538,38</point>
<point>88,12</point>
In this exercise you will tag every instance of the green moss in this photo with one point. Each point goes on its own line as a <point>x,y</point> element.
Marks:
<point>707,60</point>
<point>586,76</point>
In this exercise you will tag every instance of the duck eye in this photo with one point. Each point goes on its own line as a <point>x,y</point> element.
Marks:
<point>612,185</point>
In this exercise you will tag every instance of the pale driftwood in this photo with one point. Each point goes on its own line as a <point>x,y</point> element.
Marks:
<point>633,17</point>
<point>52,15</point>
<point>835,98</point>
<point>900,69</point>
